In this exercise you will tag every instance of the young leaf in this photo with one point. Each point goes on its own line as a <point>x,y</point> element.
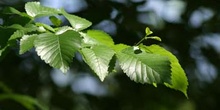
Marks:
<point>34,9</point>
<point>98,58</point>
<point>148,31</point>
<point>154,37</point>
<point>26,43</point>
<point>96,37</point>
<point>178,76</point>
<point>144,67</point>
<point>76,22</point>
<point>58,50</point>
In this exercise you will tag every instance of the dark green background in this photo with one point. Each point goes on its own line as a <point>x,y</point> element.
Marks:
<point>191,43</point>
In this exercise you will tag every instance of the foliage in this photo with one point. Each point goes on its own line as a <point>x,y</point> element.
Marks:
<point>26,101</point>
<point>57,45</point>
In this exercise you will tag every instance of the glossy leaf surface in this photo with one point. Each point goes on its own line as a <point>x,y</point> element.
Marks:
<point>58,50</point>
<point>144,67</point>
<point>98,58</point>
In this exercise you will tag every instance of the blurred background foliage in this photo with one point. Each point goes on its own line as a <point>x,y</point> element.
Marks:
<point>188,28</point>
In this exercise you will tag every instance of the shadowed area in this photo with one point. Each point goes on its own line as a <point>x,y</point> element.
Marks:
<point>188,28</point>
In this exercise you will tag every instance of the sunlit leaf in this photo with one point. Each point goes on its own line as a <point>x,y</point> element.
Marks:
<point>98,58</point>
<point>148,31</point>
<point>76,22</point>
<point>26,43</point>
<point>96,37</point>
<point>120,47</point>
<point>34,9</point>
<point>144,67</point>
<point>155,38</point>
<point>63,29</point>
<point>178,76</point>
<point>58,50</point>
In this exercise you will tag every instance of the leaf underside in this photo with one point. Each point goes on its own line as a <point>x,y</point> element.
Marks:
<point>98,58</point>
<point>58,50</point>
<point>26,43</point>
<point>178,76</point>
<point>144,67</point>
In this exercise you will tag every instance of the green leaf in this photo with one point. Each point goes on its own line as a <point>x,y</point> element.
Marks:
<point>2,49</point>
<point>96,37</point>
<point>26,28</point>
<point>120,47</point>
<point>57,22</point>
<point>58,50</point>
<point>26,101</point>
<point>5,34</point>
<point>26,43</point>
<point>62,29</point>
<point>34,9</point>
<point>98,58</point>
<point>178,76</point>
<point>154,37</point>
<point>148,31</point>
<point>144,67</point>
<point>15,26</point>
<point>45,26</point>
<point>21,30</point>
<point>5,88</point>
<point>76,22</point>
<point>11,10</point>
<point>17,34</point>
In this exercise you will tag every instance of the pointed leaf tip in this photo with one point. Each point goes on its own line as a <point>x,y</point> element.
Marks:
<point>98,58</point>
<point>178,76</point>
<point>58,50</point>
<point>148,31</point>
<point>76,22</point>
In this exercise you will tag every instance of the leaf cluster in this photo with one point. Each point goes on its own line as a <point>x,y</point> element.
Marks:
<point>57,45</point>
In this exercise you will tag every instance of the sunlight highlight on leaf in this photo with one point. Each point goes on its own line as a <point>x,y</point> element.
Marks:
<point>98,58</point>
<point>58,50</point>
<point>178,76</point>
<point>144,67</point>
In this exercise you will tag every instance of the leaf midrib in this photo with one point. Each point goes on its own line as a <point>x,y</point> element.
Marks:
<point>60,52</point>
